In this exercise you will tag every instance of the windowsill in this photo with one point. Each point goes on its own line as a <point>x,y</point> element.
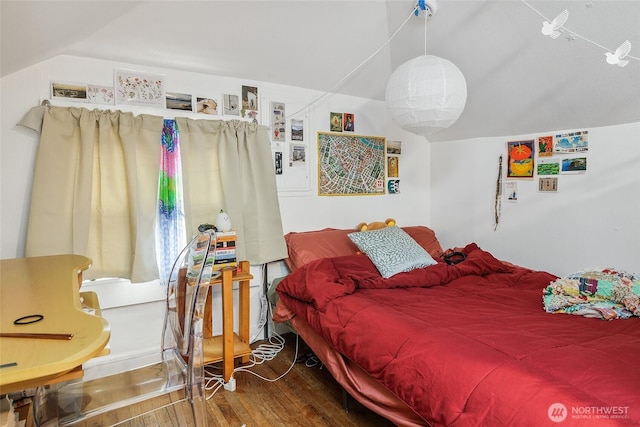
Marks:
<point>114,292</point>
<point>121,292</point>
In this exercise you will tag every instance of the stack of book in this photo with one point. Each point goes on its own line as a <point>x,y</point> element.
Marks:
<point>225,250</point>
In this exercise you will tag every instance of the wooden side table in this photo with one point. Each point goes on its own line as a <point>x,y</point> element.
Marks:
<point>229,346</point>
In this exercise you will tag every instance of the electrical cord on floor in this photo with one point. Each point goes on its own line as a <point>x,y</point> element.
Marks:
<point>265,352</point>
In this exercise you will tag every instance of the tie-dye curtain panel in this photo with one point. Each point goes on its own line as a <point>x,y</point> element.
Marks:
<point>171,235</point>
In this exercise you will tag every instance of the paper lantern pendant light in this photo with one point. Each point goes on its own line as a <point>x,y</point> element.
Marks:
<point>426,95</point>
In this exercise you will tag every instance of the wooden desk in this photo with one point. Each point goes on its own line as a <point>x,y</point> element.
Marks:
<point>49,286</point>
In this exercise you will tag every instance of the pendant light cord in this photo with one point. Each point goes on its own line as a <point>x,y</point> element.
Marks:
<point>425,34</point>
<point>413,11</point>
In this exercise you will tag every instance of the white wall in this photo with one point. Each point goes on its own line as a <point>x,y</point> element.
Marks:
<point>130,317</point>
<point>592,221</point>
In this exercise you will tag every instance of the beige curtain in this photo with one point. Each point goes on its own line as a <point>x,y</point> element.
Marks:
<point>227,165</point>
<point>95,190</point>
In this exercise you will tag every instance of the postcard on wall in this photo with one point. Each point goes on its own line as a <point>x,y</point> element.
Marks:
<point>278,162</point>
<point>230,105</point>
<point>297,130</point>
<point>548,185</point>
<point>548,167</point>
<point>348,122</point>
<point>511,190</point>
<point>394,147</point>
<point>520,155</point>
<point>249,98</point>
<point>297,155</point>
<point>393,166</point>
<point>335,122</point>
<point>574,142</point>
<point>103,95</point>
<point>278,122</point>
<point>179,101</point>
<point>545,146</point>
<point>393,186</point>
<point>574,165</point>
<point>207,106</point>
<point>138,88</point>
<point>69,91</point>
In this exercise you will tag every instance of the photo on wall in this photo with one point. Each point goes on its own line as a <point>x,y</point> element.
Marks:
<point>574,165</point>
<point>230,105</point>
<point>572,142</point>
<point>394,147</point>
<point>393,186</point>
<point>207,106</point>
<point>393,166</point>
<point>297,155</point>
<point>139,88</point>
<point>249,98</point>
<point>520,155</point>
<point>179,101</point>
<point>348,122</point>
<point>335,122</point>
<point>278,162</point>
<point>545,146</point>
<point>511,191</point>
<point>104,95</point>
<point>297,130</point>
<point>70,91</point>
<point>548,185</point>
<point>548,167</point>
<point>278,122</point>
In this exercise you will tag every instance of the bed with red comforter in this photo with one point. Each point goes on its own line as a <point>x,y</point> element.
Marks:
<point>467,344</point>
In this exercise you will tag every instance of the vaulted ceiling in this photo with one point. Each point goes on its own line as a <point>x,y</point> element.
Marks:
<point>518,80</point>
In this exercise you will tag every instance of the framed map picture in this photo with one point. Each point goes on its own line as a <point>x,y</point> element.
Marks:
<point>350,165</point>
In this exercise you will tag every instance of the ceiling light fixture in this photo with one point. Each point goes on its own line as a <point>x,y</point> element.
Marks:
<point>426,94</point>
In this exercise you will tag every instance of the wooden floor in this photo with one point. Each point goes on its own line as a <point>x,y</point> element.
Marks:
<point>306,396</point>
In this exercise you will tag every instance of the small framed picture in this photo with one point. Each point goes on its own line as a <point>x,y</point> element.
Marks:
<point>394,147</point>
<point>207,106</point>
<point>548,167</point>
<point>250,98</point>
<point>138,88</point>
<point>70,91</point>
<point>574,165</point>
<point>297,130</point>
<point>179,101</point>
<point>335,120</point>
<point>520,161</point>
<point>548,185</point>
<point>230,104</point>
<point>347,122</point>
<point>100,95</point>
<point>393,186</point>
<point>278,122</point>
<point>393,166</point>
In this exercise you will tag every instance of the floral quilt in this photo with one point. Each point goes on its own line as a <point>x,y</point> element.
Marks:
<point>603,293</point>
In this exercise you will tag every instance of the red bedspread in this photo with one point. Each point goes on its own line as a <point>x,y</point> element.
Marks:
<point>471,344</point>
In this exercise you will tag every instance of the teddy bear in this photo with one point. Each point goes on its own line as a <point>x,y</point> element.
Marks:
<point>363,226</point>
